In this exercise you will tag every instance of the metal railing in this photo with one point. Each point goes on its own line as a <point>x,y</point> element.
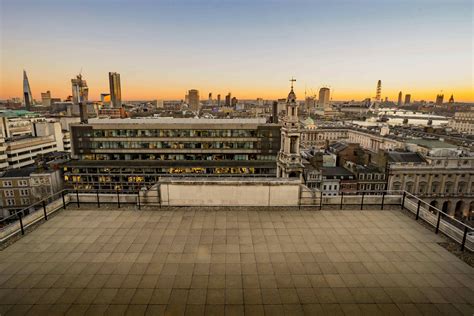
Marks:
<point>18,222</point>
<point>441,221</point>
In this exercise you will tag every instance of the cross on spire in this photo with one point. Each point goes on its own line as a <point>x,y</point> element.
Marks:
<point>292,80</point>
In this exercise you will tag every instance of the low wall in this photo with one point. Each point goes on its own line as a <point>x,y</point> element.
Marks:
<point>229,192</point>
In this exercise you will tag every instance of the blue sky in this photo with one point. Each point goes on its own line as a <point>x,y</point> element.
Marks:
<point>163,48</point>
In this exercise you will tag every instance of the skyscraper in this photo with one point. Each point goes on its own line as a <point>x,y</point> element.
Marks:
<point>439,99</point>
<point>193,99</point>
<point>28,98</point>
<point>400,96</point>
<point>379,91</point>
<point>218,100</point>
<point>80,91</point>
<point>227,99</point>
<point>407,99</point>
<point>80,95</point>
<point>451,99</point>
<point>323,101</point>
<point>115,90</point>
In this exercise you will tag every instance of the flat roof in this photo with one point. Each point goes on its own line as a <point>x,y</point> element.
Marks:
<point>169,163</point>
<point>432,144</point>
<point>335,171</point>
<point>18,173</point>
<point>168,120</point>
<point>196,261</point>
<point>401,156</point>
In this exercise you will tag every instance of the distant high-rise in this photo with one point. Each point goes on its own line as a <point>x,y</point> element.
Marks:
<point>451,99</point>
<point>379,91</point>
<point>46,98</point>
<point>234,102</point>
<point>400,96</point>
<point>439,99</point>
<point>323,101</point>
<point>209,99</point>
<point>193,99</point>
<point>28,97</point>
<point>80,95</point>
<point>227,99</point>
<point>407,99</point>
<point>218,100</point>
<point>80,91</point>
<point>115,90</point>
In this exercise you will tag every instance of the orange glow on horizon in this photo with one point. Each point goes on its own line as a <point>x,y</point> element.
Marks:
<point>130,91</point>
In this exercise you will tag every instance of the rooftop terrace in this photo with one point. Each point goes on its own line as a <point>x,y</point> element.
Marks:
<point>232,261</point>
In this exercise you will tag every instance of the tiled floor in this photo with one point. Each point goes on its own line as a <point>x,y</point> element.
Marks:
<point>191,261</point>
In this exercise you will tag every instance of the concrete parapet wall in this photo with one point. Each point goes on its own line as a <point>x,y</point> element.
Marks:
<point>218,192</point>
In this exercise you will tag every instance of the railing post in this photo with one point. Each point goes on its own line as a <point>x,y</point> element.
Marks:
<point>464,238</point>
<point>362,201</point>
<point>44,211</point>
<point>64,201</point>
<point>98,199</point>
<point>342,198</point>
<point>437,224</point>
<point>21,223</point>
<point>118,198</point>
<point>139,205</point>
<point>321,200</point>
<point>383,200</point>
<point>403,200</point>
<point>418,210</point>
<point>77,199</point>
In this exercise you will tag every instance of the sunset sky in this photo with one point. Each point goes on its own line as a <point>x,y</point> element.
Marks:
<point>251,48</point>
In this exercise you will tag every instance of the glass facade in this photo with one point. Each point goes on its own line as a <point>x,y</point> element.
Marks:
<point>102,154</point>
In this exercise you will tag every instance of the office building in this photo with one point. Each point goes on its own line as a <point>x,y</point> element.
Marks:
<point>80,91</point>
<point>27,96</point>
<point>463,122</point>
<point>131,153</point>
<point>324,96</point>
<point>115,90</point>
<point>378,93</point>
<point>46,98</point>
<point>407,99</point>
<point>193,100</point>
<point>439,99</point>
<point>218,100</point>
<point>451,99</point>
<point>400,99</point>
<point>228,98</point>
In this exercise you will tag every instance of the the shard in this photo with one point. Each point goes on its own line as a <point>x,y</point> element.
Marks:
<point>28,98</point>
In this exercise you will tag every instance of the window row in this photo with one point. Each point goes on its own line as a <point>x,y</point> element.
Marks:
<point>170,145</point>
<point>178,133</point>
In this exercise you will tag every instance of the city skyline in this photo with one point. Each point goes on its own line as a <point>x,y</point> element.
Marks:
<point>164,49</point>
